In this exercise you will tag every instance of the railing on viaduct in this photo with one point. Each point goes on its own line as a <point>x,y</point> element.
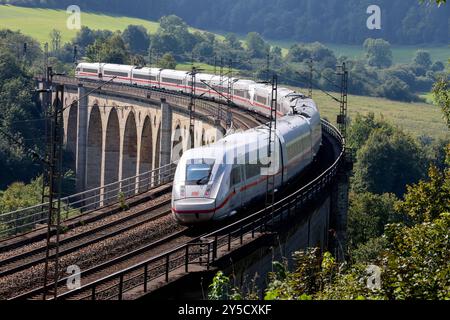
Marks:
<point>206,250</point>
<point>213,109</point>
<point>26,219</point>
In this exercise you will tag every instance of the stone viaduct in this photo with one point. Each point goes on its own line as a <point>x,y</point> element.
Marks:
<point>114,136</point>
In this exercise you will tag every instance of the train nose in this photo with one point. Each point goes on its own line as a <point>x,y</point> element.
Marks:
<point>194,210</point>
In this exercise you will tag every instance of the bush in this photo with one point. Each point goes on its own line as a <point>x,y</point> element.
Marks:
<point>396,89</point>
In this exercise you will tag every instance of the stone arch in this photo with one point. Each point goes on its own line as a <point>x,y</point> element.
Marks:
<point>146,149</point>
<point>112,148</point>
<point>129,149</point>
<point>94,149</point>
<point>71,136</point>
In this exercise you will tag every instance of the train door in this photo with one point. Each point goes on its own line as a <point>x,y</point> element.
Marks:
<point>236,183</point>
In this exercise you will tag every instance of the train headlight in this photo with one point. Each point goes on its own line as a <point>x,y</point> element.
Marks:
<point>208,190</point>
<point>182,192</point>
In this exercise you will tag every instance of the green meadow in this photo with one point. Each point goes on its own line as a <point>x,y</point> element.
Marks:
<point>416,118</point>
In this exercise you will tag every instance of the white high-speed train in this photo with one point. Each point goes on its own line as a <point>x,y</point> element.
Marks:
<point>216,181</point>
<point>246,93</point>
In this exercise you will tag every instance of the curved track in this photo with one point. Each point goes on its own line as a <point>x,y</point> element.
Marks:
<point>149,248</point>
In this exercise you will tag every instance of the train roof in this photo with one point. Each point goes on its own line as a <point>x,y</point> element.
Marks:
<point>89,65</point>
<point>117,67</point>
<point>176,73</point>
<point>288,128</point>
<point>146,70</point>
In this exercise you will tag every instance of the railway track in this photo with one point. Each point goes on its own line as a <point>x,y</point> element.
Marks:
<point>27,259</point>
<point>115,264</point>
<point>24,240</point>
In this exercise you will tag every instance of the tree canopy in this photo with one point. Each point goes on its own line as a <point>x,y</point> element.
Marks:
<point>327,21</point>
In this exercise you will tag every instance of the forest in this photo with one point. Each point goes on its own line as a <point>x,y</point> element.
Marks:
<point>327,21</point>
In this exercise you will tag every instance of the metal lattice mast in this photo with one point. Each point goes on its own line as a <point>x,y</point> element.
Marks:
<point>192,107</point>
<point>47,92</point>
<point>342,117</point>
<point>270,189</point>
<point>229,93</point>
<point>53,196</point>
<point>311,70</point>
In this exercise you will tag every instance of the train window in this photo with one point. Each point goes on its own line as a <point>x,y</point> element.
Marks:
<point>235,176</point>
<point>261,100</point>
<point>240,93</point>
<point>115,73</point>
<point>220,89</point>
<point>144,77</point>
<point>198,172</point>
<point>296,147</point>
<point>90,70</point>
<point>169,80</point>
<point>252,170</point>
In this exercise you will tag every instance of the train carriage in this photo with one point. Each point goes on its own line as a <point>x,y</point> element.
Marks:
<point>174,80</point>
<point>203,84</point>
<point>146,77</point>
<point>122,73</point>
<point>89,71</point>
<point>206,185</point>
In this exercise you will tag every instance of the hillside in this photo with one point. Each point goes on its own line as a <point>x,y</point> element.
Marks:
<point>417,118</point>
<point>38,23</point>
<point>403,22</point>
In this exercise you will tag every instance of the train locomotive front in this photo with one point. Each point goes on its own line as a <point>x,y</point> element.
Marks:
<point>197,186</point>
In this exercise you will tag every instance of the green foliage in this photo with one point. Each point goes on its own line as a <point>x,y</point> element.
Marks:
<point>18,113</point>
<point>387,162</point>
<point>369,252</point>
<point>423,59</point>
<point>426,200</point>
<point>441,94</point>
<point>361,128</point>
<point>417,262</point>
<point>414,263</point>
<point>122,201</point>
<point>19,195</point>
<point>218,289</point>
<point>405,22</point>
<point>395,89</point>
<point>136,39</point>
<point>55,40</point>
<point>378,53</point>
<point>111,50</point>
<point>173,36</point>
<point>256,46</point>
<point>368,214</point>
<point>322,56</point>
<point>312,272</point>
<point>167,62</point>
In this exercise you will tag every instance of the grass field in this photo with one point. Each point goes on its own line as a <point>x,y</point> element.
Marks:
<point>401,54</point>
<point>38,23</point>
<point>415,118</point>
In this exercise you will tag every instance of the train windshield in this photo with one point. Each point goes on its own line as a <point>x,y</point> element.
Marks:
<point>198,172</point>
